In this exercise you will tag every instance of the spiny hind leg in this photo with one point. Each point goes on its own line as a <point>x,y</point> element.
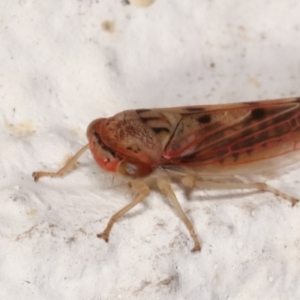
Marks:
<point>191,182</point>
<point>61,172</point>
<point>264,187</point>
<point>142,191</point>
<point>166,189</point>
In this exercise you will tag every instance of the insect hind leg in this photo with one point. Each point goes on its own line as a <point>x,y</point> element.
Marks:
<point>265,187</point>
<point>191,182</point>
<point>165,187</point>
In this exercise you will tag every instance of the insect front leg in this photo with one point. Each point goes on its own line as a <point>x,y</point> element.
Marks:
<point>61,172</point>
<point>166,189</point>
<point>191,182</point>
<point>142,191</point>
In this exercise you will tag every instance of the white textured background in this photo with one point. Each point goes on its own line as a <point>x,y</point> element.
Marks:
<point>59,70</point>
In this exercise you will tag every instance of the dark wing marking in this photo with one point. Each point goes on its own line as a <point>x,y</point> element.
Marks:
<point>235,134</point>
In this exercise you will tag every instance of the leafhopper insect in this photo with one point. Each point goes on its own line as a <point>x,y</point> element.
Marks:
<point>193,145</point>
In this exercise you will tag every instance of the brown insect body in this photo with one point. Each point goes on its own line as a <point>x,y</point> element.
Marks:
<point>200,137</point>
<point>193,143</point>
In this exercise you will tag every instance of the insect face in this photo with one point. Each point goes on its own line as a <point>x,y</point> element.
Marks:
<point>105,157</point>
<point>108,158</point>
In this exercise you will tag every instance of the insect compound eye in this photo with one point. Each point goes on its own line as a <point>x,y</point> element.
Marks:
<point>133,169</point>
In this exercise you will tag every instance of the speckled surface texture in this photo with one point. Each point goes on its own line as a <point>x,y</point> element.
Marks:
<point>65,63</point>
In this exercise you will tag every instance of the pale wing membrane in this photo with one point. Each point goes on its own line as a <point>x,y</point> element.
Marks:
<point>236,135</point>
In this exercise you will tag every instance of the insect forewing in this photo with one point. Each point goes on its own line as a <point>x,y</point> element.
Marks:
<point>234,136</point>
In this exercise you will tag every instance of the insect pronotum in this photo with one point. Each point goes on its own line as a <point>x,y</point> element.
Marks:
<point>192,146</point>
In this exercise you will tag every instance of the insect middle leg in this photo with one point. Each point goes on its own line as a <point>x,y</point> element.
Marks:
<point>191,182</point>
<point>166,189</point>
<point>142,191</point>
<point>61,172</point>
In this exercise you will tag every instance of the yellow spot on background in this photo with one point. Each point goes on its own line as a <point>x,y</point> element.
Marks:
<point>108,26</point>
<point>254,81</point>
<point>25,128</point>
<point>32,213</point>
<point>142,3</point>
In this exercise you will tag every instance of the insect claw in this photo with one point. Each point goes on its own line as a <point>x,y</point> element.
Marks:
<point>294,201</point>
<point>196,248</point>
<point>103,236</point>
<point>36,176</point>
